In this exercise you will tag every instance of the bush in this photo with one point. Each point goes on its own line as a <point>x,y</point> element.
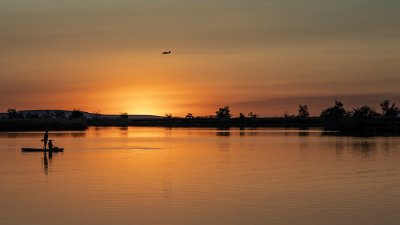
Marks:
<point>333,117</point>
<point>224,113</point>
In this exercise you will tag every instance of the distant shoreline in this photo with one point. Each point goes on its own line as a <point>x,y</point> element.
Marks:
<point>22,124</point>
<point>370,127</point>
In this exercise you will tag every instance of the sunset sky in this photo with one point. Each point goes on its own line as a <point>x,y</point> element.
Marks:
<point>264,56</point>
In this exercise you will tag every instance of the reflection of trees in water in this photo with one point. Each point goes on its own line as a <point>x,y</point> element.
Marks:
<point>168,131</point>
<point>124,131</point>
<point>242,131</point>
<point>339,146</point>
<point>304,133</point>
<point>223,157</point>
<point>250,131</point>
<point>387,145</point>
<point>226,134</point>
<point>77,135</point>
<point>303,141</point>
<point>223,132</point>
<point>364,147</point>
<point>303,138</point>
<point>253,131</point>
<point>223,143</point>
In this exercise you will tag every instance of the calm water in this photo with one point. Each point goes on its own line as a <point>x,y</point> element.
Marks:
<point>200,176</point>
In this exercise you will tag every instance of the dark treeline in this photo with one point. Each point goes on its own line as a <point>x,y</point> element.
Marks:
<point>23,124</point>
<point>222,118</point>
<point>16,121</point>
<point>212,122</point>
<point>363,120</point>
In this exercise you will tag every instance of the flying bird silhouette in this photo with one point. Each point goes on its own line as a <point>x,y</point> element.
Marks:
<point>165,53</point>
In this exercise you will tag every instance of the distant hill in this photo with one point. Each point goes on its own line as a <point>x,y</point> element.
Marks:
<point>67,113</point>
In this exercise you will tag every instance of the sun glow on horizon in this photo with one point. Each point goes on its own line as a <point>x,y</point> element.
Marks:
<point>258,56</point>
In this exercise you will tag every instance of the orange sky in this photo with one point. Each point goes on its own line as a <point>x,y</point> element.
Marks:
<point>260,56</point>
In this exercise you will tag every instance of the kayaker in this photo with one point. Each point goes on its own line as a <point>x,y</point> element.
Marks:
<point>45,139</point>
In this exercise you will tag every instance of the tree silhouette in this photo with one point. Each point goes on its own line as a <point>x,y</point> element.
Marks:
<point>224,113</point>
<point>389,110</point>
<point>32,116</point>
<point>47,115</point>
<point>303,111</point>
<point>12,113</point>
<point>364,112</point>
<point>75,114</point>
<point>287,116</point>
<point>333,117</point>
<point>168,115</point>
<point>96,115</point>
<point>124,116</point>
<point>241,116</point>
<point>189,116</point>
<point>60,114</point>
<point>252,115</point>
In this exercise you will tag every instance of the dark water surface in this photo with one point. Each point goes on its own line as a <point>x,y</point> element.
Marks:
<point>200,176</point>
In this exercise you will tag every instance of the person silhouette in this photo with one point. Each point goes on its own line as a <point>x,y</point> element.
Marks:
<point>45,139</point>
<point>50,145</point>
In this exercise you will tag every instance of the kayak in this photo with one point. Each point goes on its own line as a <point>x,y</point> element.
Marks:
<point>56,149</point>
